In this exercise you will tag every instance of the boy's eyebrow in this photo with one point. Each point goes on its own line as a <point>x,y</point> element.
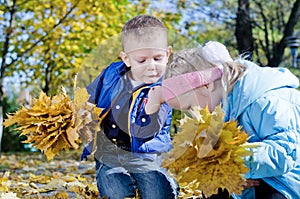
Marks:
<point>155,48</point>
<point>140,57</point>
<point>154,55</point>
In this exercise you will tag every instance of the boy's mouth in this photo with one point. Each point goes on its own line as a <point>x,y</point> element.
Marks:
<point>151,75</point>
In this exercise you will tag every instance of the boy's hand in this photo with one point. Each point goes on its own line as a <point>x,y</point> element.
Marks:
<point>251,183</point>
<point>155,99</point>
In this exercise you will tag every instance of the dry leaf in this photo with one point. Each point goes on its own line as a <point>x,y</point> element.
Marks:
<point>8,195</point>
<point>4,182</point>
<point>53,185</point>
<point>54,124</point>
<point>63,173</point>
<point>208,154</point>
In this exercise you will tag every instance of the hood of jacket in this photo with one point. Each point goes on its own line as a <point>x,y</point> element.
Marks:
<point>255,83</point>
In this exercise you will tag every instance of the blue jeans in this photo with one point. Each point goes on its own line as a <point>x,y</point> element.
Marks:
<point>118,183</point>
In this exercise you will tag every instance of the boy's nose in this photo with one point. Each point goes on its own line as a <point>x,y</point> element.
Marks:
<point>151,65</point>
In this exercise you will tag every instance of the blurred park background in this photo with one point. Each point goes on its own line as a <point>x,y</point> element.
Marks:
<point>45,43</point>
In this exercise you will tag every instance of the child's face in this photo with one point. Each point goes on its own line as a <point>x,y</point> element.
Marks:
<point>197,88</point>
<point>198,97</point>
<point>147,60</point>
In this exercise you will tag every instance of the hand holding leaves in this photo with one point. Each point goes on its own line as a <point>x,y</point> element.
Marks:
<point>57,123</point>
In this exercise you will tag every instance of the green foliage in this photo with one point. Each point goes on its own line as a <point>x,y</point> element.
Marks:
<point>48,40</point>
<point>177,116</point>
<point>11,141</point>
<point>51,41</point>
<point>216,20</point>
<point>295,71</point>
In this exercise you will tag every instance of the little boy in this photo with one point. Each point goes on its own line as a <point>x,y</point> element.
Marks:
<point>131,141</point>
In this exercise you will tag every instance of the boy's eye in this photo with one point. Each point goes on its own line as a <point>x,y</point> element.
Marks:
<point>141,61</point>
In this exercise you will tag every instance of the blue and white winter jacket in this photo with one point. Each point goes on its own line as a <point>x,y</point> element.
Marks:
<point>124,109</point>
<point>267,105</point>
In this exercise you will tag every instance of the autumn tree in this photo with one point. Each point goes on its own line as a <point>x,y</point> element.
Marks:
<point>45,41</point>
<point>273,22</point>
<point>263,26</point>
<point>255,26</point>
<point>243,29</point>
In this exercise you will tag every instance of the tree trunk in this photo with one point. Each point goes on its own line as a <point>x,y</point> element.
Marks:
<point>1,114</point>
<point>288,31</point>
<point>243,31</point>
<point>1,102</point>
<point>3,65</point>
<point>1,126</point>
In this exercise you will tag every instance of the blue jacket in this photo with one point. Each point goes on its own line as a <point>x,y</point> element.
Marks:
<point>267,105</point>
<point>113,91</point>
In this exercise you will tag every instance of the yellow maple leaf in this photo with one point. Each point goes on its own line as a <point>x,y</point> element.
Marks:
<point>39,178</point>
<point>72,137</point>
<point>80,96</point>
<point>61,195</point>
<point>208,153</point>
<point>57,123</point>
<point>5,182</point>
<point>9,195</point>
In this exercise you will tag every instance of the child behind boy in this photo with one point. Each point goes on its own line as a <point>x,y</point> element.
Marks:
<point>131,141</point>
<point>263,100</point>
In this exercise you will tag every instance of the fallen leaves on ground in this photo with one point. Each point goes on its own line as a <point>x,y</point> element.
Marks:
<point>30,175</point>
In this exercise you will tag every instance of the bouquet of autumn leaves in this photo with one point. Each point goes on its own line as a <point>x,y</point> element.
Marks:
<point>54,124</point>
<point>208,154</point>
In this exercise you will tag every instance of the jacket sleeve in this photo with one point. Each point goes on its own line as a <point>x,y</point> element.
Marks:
<point>273,122</point>
<point>161,142</point>
<point>92,88</point>
<point>100,88</point>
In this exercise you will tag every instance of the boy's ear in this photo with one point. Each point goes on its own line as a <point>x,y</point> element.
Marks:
<point>169,51</point>
<point>124,58</point>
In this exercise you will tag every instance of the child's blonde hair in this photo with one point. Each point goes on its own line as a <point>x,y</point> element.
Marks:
<point>143,27</point>
<point>193,59</point>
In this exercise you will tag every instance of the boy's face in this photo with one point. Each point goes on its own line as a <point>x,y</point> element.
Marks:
<point>147,59</point>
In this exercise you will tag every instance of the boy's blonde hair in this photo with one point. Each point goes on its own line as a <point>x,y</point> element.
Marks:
<point>142,27</point>
<point>193,59</point>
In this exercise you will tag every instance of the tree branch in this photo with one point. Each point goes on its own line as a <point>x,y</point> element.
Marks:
<point>265,30</point>
<point>44,37</point>
<point>9,31</point>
